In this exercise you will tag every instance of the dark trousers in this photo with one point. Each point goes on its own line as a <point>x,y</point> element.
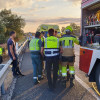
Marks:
<point>28,43</point>
<point>1,59</point>
<point>15,68</point>
<point>52,62</point>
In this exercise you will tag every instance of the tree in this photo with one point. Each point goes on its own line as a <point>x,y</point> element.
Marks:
<point>3,28</point>
<point>76,29</point>
<point>12,22</point>
<point>2,32</point>
<point>63,29</point>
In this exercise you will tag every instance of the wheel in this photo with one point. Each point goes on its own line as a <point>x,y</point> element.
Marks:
<point>97,77</point>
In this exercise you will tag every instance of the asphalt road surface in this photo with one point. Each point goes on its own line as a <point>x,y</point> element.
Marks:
<point>25,89</point>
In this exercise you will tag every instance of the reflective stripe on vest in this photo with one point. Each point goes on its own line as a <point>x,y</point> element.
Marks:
<point>51,52</point>
<point>51,46</point>
<point>72,72</point>
<point>0,51</point>
<point>67,42</point>
<point>34,46</point>
<point>49,55</point>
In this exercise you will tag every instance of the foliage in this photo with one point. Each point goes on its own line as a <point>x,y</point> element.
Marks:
<point>63,29</point>
<point>76,29</point>
<point>11,22</point>
<point>3,30</point>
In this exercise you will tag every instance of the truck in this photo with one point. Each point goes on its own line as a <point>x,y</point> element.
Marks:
<point>90,37</point>
<point>45,27</point>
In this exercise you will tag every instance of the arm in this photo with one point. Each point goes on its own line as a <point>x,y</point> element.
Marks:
<point>15,48</point>
<point>61,49</point>
<point>12,53</point>
<point>42,48</point>
<point>14,45</point>
<point>60,42</point>
<point>40,43</point>
<point>76,40</point>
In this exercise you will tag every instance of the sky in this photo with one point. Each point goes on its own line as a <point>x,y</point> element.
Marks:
<point>37,12</point>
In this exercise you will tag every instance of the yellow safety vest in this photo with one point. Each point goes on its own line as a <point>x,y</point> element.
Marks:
<point>1,51</point>
<point>51,46</point>
<point>68,41</point>
<point>42,39</point>
<point>51,42</point>
<point>34,45</point>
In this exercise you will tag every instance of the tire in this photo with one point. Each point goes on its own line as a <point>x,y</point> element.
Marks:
<point>97,77</point>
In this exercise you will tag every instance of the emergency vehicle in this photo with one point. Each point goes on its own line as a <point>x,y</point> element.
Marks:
<point>90,49</point>
<point>46,27</point>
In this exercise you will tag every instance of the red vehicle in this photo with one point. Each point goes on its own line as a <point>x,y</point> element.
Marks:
<point>90,49</point>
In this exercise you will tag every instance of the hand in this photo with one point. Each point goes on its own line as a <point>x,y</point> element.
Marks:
<point>14,58</point>
<point>61,50</point>
<point>42,54</point>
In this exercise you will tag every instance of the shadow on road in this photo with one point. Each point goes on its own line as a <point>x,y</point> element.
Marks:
<point>25,90</point>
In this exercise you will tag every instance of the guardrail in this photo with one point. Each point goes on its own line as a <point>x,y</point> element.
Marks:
<point>5,69</point>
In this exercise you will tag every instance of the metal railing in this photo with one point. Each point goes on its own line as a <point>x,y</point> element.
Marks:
<point>6,67</point>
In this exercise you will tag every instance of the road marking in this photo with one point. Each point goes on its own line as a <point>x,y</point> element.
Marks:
<point>89,89</point>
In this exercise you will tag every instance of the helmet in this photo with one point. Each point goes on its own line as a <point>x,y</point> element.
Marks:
<point>42,32</point>
<point>68,28</point>
<point>63,33</point>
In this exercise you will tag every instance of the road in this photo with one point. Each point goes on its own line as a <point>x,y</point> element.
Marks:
<point>25,90</point>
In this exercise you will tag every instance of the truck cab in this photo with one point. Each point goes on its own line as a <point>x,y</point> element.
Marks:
<point>90,33</point>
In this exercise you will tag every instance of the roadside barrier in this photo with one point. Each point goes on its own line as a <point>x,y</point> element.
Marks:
<point>5,68</point>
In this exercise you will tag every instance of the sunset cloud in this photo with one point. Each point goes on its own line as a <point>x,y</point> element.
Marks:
<point>36,12</point>
<point>42,0</point>
<point>61,20</point>
<point>75,2</point>
<point>15,3</point>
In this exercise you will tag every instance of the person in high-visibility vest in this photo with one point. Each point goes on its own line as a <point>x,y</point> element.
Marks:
<point>68,56</point>
<point>1,52</point>
<point>50,48</point>
<point>42,36</point>
<point>42,58</point>
<point>35,47</point>
<point>56,35</point>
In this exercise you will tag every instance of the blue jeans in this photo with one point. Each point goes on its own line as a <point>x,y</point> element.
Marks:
<point>37,66</point>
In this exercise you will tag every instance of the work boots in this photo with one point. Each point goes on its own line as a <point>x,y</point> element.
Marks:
<point>71,81</point>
